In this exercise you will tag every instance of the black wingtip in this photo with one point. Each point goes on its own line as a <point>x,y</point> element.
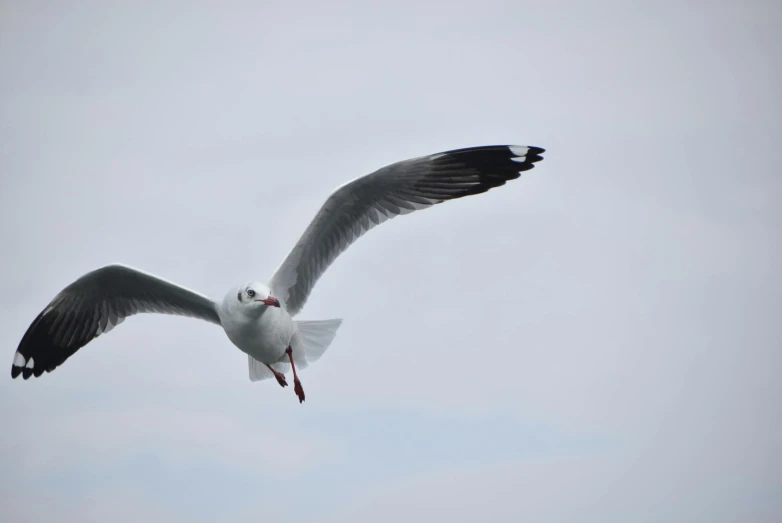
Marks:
<point>474,170</point>
<point>15,371</point>
<point>536,150</point>
<point>488,156</point>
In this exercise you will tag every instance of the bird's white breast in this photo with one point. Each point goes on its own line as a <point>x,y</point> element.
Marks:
<point>263,337</point>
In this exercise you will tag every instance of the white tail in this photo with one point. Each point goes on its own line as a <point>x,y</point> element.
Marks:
<point>309,343</point>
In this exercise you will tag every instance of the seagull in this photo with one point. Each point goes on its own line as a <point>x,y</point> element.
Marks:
<point>258,317</point>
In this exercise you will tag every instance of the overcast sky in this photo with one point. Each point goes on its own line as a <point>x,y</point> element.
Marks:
<point>597,341</point>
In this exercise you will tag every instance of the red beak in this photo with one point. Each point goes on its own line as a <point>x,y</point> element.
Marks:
<point>274,302</point>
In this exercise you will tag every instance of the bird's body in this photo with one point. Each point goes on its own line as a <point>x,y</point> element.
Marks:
<point>263,333</point>
<point>258,317</point>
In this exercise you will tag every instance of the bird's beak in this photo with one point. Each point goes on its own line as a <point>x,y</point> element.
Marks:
<point>274,302</point>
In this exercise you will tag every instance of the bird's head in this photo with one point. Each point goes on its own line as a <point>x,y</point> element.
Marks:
<point>256,294</point>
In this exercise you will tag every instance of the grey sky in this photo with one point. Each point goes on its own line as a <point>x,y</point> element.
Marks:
<point>597,341</point>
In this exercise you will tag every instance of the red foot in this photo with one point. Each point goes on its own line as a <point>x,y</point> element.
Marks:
<point>298,389</point>
<point>280,378</point>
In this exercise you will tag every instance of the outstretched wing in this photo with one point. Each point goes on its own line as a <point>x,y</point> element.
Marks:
<point>93,305</point>
<point>399,188</point>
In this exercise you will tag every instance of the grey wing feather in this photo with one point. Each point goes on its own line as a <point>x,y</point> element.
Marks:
<point>93,305</point>
<point>396,189</point>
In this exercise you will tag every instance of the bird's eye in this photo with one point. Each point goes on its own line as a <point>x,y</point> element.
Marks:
<point>250,293</point>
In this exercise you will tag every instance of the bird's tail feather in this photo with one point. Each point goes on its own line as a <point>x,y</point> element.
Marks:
<point>309,343</point>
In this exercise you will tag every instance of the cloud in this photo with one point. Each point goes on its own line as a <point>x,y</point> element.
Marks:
<point>37,444</point>
<point>590,488</point>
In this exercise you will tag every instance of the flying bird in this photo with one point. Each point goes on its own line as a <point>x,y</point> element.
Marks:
<point>258,317</point>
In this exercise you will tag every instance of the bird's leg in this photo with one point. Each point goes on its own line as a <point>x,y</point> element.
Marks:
<point>297,388</point>
<point>279,376</point>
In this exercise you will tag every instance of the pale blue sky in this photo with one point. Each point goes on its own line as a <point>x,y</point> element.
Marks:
<point>597,341</point>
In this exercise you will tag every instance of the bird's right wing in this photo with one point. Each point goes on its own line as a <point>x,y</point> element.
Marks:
<point>399,188</point>
<point>93,305</point>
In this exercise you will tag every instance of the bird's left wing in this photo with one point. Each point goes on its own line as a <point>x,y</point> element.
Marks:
<point>399,188</point>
